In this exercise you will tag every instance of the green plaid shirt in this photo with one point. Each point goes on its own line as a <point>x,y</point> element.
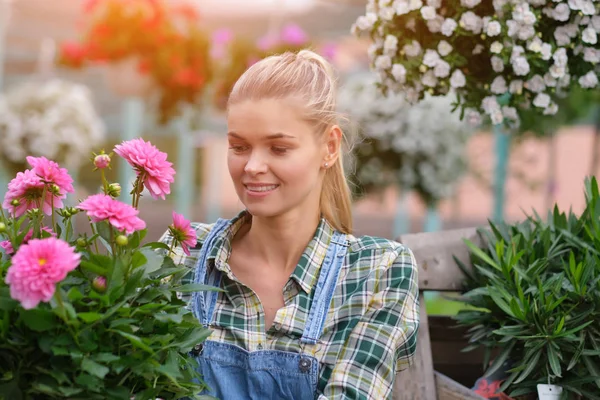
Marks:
<point>370,332</point>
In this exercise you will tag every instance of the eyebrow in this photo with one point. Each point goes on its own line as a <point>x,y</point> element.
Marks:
<point>278,135</point>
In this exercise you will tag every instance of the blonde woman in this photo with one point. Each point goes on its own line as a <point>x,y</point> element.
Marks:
<point>308,310</point>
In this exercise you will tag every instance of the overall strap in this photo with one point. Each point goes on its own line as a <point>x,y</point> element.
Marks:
<point>201,299</point>
<point>328,276</point>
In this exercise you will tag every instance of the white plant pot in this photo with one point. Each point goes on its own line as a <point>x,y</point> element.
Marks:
<point>549,392</point>
<point>124,78</point>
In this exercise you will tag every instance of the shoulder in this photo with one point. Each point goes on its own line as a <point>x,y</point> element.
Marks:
<point>379,257</point>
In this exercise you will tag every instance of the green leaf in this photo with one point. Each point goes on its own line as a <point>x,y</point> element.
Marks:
<point>156,245</point>
<point>96,269</point>
<point>91,382</point>
<point>501,303</point>
<point>105,357</point>
<point>499,361</point>
<point>94,368</point>
<point>560,326</point>
<point>554,361</point>
<point>531,364</point>
<point>89,317</point>
<point>135,340</point>
<point>196,287</point>
<point>39,320</point>
<point>176,318</point>
<point>482,255</point>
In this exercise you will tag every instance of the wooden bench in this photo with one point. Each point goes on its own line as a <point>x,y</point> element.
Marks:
<point>438,272</point>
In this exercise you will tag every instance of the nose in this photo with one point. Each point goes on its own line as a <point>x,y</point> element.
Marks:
<point>256,164</point>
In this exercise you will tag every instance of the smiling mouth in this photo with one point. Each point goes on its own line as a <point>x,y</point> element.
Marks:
<point>261,188</point>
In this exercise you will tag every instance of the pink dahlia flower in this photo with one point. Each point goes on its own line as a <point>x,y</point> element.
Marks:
<point>183,233</point>
<point>7,245</point>
<point>27,188</point>
<point>152,163</point>
<point>101,207</point>
<point>50,171</point>
<point>36,269</point>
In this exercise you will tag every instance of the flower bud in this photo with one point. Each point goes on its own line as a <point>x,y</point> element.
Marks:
<point>122,240</point>
<point>102,161</point>
<point>15,203</point>
<point>54,189</point>
<point>2,227</point>
<point>73,210</point>
<point>81,242</point>
<point>99,284</point>
<point>114,190</point>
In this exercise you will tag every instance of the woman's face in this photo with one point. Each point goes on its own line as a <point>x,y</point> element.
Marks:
<point>275,158</point>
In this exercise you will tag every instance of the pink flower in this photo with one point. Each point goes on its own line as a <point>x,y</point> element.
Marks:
<point>36,269</point>
<point>50,171</point>
<point>151,163</point>
<point>267,42</point>
<point>7,245</point>
<point>183,233</point>
<point>102,161</point>
<point>27,188</point>
<point>101,207</point>
<point>294,35</point>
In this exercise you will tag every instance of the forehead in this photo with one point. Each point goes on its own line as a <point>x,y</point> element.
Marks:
<point>266,117</point>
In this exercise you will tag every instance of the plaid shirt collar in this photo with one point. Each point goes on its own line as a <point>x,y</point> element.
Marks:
<point>305,273</point>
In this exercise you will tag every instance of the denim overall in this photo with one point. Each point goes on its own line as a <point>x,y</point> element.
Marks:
<point>233,373</point>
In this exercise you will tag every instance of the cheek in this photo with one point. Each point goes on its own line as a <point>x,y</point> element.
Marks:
<point>236,165</point>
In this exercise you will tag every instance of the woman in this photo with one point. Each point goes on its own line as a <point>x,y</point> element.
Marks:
<point>308,310</point>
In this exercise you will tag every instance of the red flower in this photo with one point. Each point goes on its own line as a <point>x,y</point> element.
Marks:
<point>188,77</point>
<point>73,53</point>
<point>187,11</point>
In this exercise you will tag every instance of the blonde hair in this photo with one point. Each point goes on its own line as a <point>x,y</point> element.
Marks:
<point>308,77</point>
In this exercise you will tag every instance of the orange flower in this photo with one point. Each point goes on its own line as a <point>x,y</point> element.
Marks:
<point>73,53</point>
<point>188,77</point>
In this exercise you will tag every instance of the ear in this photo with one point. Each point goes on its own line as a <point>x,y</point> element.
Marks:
<point>333,144</point>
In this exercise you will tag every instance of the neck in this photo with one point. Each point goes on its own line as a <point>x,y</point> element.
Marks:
<point>280,241</point>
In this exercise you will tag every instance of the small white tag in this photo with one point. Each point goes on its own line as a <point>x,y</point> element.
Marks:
<point>549,392</point>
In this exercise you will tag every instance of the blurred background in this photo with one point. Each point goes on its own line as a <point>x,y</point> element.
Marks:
<point>39,45</point>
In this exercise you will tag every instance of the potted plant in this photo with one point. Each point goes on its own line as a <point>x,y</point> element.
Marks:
<point>150,48</point>
<point>534,294</point>
<point>55,119</point>
<point>98,315</point>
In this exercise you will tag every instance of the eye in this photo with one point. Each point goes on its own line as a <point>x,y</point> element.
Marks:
<point>279,150</point>
<point>238,148</point>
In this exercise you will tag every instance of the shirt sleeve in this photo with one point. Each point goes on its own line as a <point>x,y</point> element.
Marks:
<point>383,342</point>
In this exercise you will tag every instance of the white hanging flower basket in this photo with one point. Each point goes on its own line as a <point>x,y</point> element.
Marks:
<point>125,79</point>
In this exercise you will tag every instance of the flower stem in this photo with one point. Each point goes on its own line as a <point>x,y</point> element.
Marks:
<point>94,233</point>
<point>104,181</point>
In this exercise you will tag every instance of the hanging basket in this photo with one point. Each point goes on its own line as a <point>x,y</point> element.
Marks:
<point>124,78</point>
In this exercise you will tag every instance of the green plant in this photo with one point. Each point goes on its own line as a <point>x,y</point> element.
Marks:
<point>536,289</point>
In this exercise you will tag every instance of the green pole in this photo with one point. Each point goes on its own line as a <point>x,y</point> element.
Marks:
<point>185,179</point>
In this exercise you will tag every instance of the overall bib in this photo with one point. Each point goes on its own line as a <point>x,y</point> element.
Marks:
<point>233,373</point>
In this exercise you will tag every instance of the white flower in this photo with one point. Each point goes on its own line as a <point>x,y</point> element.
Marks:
<point>551,109</point>
<point>497,64</point>
<point>557,72</point>
<point>542,100</point>
<point>522,14</point>
<point>469,3</point>
<point>494,28</point>
<point>589,35</point>
<point>588,8</point>
<point>390,46</point>
<point>478,49</point>
<point>434,3</point>
<point>473,117</point>
<point>499,4</point>
<point>499,85</point>
<point>366,22</point>
<point>549,80</point>
<point>575,5</point>
<point>561,12</point>
<point>510,113</point>
<point>546,51</point>
<point>535,45</point>
<point>589,80</point>
<point>526,32</point>
<point>428,13</point>
<point>401,7</point>
<point>428,79</point>
<point>399,73</point>
<point>431,58</point>
<point>520,66</point>
<point>442,69</point>
<point>444,48</point>
<point>591,55</point>
<point>595,22</point>
<point>435,25</point>
<point>413,49</point>
<point>471,22</point>
<point>536,84</point>
<point>516,86</point>
<point>458,80</point>
<point>415,4</point>
<point>384,3</point>
<point>449,26</point>
<point>387,13</point>
<point>561,36</point>
<point>372,50</point>
<point>383,62</point>
<point>496,116</point>
<point>490,104</point>
<point>496,48</point>
<point>560,57</point>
